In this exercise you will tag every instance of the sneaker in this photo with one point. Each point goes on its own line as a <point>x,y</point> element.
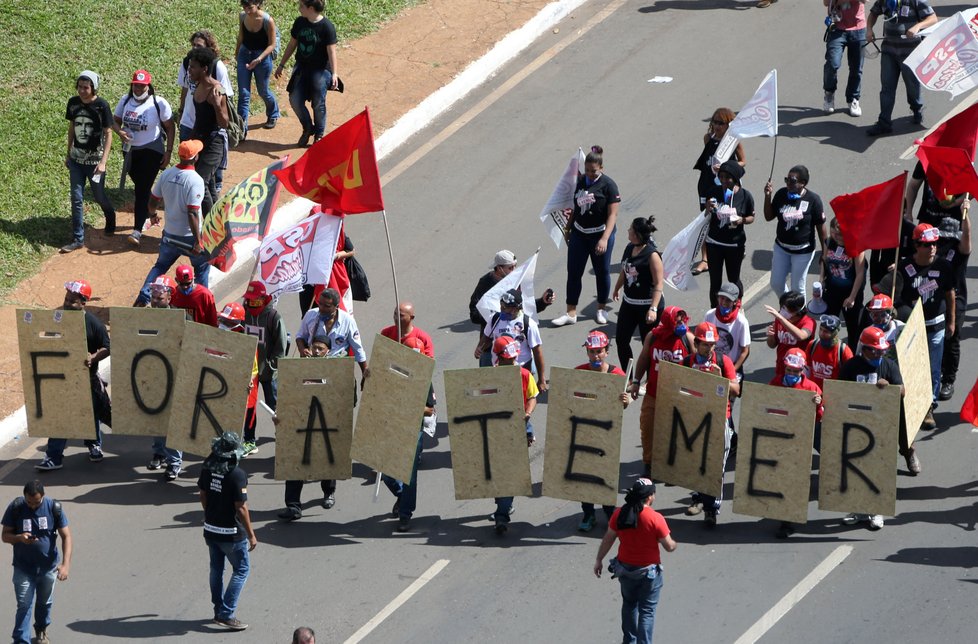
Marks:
<point>601,316</point>
<point>95,453</point>
<point>913,463</point>
<point>73,246</point>
<point>172,472</point>
<point>694,508</point>
<point>404,525</point>
<point>785,530</point>
<point>946,391</point>
<point>133,238</point>
<point>329,500</point>
<point>876,522</point>
<point>852,518</point>
<point>710,519</point>
<point>929,423</point>
<point>48,465</point>
<point>232,624</point>
<point>270,124</point>
<point>316,139</point>
<point>42,637</point>
<point>290,514</point>
<point>564,320</point>
<point>828,104</point>
<point>304,138</point>
<point>879,129</point>
<point>249,447</point>
<point>501,528</point>
<point>158,462</point>
<point>854,109</point>
<point>588,523</point>
<point>396,510</point>
<point>918,119</point>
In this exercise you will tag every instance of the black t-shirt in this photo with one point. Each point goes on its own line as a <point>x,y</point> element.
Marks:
<point>591,202</point>
<point>840,269</point>
<point>721,232</point>
<point>96,336</point>
<point>221,522</point>
<point>928,284</point>
<point>312,38</point>
<point>89,123</point>
<point>638,279</point>
<point>707,179</point>
<point>946,220</point>
<point>797,220</point>
<point>858,369</point>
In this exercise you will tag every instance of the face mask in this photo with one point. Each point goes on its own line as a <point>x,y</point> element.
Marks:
<point>794,196</point>
<point>789,380</point>
<point>785,313</point>
<point>596,364</point>
<point>141,97</point>
<point>186,289</point>
<point>505,316</point>
<point>716,180</point>
<point>702,359</point>
<point>875,362</point>
<point>727,194</point>
<point>724,310</point>
<point>826,343</point>
<point>680,330</point>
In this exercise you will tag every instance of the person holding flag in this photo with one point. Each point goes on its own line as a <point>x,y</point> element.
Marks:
<point>801,219</point>
<point>730,207</point>
<point>511,322</point>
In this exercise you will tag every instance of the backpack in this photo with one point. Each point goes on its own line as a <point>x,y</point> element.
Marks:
<point>359,286</point>
<point>811,352</point>
<point>236,125</point>
<point>526,328</point>
<point>19,503</point>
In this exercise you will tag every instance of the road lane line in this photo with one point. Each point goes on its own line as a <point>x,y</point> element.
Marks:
<point>398,601</point>
<point>795,595</point>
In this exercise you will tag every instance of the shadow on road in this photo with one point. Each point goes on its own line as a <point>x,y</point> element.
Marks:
<point>143,626</point>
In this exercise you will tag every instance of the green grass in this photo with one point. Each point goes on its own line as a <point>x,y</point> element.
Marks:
<point>46,46</point>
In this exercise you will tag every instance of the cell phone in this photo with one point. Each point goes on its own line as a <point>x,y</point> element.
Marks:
<point>31,537</point>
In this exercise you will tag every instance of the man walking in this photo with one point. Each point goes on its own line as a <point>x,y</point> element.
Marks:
<point>32,524</point>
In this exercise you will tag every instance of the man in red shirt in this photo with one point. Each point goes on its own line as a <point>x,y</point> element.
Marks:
<point>404,319</point>
<point>194,298</point>
<point>638,565</point>
<point>827,354</point>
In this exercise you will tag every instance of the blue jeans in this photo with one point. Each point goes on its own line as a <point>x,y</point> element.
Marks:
<point>78,174</point>
<point>236,552</point>
<point>891,68</point>
<point>935,348</point>
<point>406,493</point>
<point>269,390</point>
<point>55,449</point>
<point>580,247</point>
<point>261,73</point>
<point>26,588</point>
<point>169,254</point>
<point>310,85</point>
<point>639,600</point>
<point>173,456</point>
<point>852,41</point>
<point>504,506</point>
<point>782,263</point>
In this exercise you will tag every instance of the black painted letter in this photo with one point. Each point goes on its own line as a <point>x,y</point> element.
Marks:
<point>575,447</point>
<point>703,428</point>
<point>38,377</point>
<point>136,359</point>
<point>484,426</point>
<point>847,457</point>
<point>200,401</point>
<point>316,413</point>
<point>757,433</point>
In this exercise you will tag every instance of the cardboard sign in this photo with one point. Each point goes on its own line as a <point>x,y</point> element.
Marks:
<point>774,458</point>
<point>315,419</point>
<point>392,408</point>
<point>57,385</point>
<point>145,362</point>
<point>485,424</point>
<point>690,423</point>
<point>860,440</point>
<point>212,387</point>
<point>914,360</point>
<point>583,450</point>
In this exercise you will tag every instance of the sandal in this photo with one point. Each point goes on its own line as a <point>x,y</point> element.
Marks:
<point>701,267</point>
<point>763,4</point>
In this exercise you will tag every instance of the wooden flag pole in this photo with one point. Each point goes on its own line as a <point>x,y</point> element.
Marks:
<point>397,301</point>
<point>773,158</point>
<point>896,251</point>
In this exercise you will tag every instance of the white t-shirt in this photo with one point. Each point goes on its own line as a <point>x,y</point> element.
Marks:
<point>189,115</point>
<point>733,336</point>
<point>141,120</point>
<point>528,338</point>
<point>180,189</point>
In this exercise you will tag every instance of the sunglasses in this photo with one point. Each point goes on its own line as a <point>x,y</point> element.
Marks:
<point>792,180</point>
<point>934,243</point>
<point>718,122</point>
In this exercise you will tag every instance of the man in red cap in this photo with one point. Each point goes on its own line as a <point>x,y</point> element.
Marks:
<point>77,295</point>
<point>181,191</point>
<point>193,297</point>
<point>161,293</point>
<point>262,320</point>
<point>930,279</point>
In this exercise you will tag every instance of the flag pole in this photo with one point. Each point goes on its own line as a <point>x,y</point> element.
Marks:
<point>773,157</point>
<point>397,301</point>
<point>896,251</point>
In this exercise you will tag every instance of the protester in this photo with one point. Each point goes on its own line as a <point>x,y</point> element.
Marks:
<point>845,31</point>
<point>641,278</point>
<point>32,524</point>
<point>314,43</point>
<point>223,486</point>
<point>729,208</point>
<point>596,346</point>
<point>254,52</point>
<point>591,234</point>
<point>194,298</point>
<point>263,321</point>
<point>791,327</point>
<point>733,329</point>
<point>403,329</point>
<point>339,327</point>
<point>843,279</point>
<point>801,220</point>
<point>902,22</point>
<point>232,318</point>
<point>148,120</point>
<point>882,315</point>
<point>210,122</point>
<point>77,295</point>
<point>303,635</point>
<point>161,294</point>
<point>827,354</point>
<point>513,323</point>
<point>90,126</point>
<point>638,565</point>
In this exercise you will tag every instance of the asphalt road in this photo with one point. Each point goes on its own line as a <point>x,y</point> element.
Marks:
<point>140,569</point>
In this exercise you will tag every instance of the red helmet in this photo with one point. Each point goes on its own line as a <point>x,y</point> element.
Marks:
<point>874,338</point>
<point>233,311</point>
<point>82,287</point>
<point>705,332</point>
<point>165,281</point>
<point>506,347</point>
<point>596,340</point>
<point>926,233</point>
<point>795,358</point>
<point>880,302</point>
<point>184,273</point>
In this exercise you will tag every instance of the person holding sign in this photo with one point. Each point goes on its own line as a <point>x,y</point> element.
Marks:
<point>801,219</point>
<point>705,358</point>
<point>791,327</point>
<point>596,345</point>
<point>507,351</point>
<point>231,318</point>
<point>882,316</point>
<point>263,321</point>
<point>337,326</point>
<point>730,207</point>
<point>511,322</point>
<point>638,566</point>
<point>827,354</point>
<point>161,292</point>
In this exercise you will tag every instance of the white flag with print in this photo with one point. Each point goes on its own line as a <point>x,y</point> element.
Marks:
<point>521,278</point>
<point>561,203</point>
<point>302,254</point>
<point>947,59</point>
<point>759,117</point>
<point>681,251</point>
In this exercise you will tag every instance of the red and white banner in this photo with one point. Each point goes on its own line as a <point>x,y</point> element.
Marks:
<point>302,254</point>
<point>561,203</point>
<point>947,59</point>
<point>759,117</point>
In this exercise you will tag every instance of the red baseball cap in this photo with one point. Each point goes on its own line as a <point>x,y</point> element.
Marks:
<point>256,291</point>
<point>142,77</point>
<point>184,273</point>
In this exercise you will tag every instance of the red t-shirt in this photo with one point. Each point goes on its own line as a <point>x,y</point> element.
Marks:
<point>612,369</point>
<point>806,384</point>
<point>825,364</point>
<point>670,348</point>
<point>787,340</point>
<point>726,369</point>
<point>640,545</point>
<point>429,346</point>
<point>199,304</point>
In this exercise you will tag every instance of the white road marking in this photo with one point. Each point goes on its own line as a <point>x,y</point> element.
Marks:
<point>754,289</point>
<point>795,595</point>
<point>398,601</point>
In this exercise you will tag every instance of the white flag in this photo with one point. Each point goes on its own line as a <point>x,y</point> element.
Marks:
<point>759,117</point>
<point>555,212</point>
<point>726,148</point>
<point>302,254</point>
<point>947,60</point>
<point>521,278</point>
<point>680,253</point>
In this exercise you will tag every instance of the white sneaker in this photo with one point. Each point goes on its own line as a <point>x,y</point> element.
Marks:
<point>854,109</point>
<point>829,103</point>
<point>134,238</point>
<point>876,522</point>
<point>564,320</point>
<point>601,316</point>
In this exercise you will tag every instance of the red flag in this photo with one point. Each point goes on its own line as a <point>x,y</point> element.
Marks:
<point>960,131</point>
<point>969,410</point>
<point>870,218</point>
<point>340,171</point>
<point>949,171</point>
